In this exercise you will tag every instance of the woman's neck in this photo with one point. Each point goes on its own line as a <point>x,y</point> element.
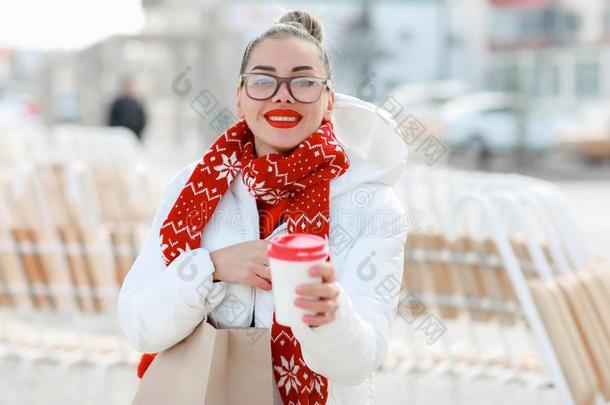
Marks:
<point>262,149</point>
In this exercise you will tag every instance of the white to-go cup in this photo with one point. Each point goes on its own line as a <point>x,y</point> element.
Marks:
<point>290,258</point>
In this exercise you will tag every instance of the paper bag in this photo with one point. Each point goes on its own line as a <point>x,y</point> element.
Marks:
<point>213,367</point>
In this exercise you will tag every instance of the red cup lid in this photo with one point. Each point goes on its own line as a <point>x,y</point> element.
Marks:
<point>298,247</point>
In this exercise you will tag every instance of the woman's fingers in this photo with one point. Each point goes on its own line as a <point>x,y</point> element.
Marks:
<point>323,304</point>
<point>325,291</point>
<point>317,306</point>
<point>264,272</point>
<point>260,282</point>
<point>317,320</point>
<point>324,270</point>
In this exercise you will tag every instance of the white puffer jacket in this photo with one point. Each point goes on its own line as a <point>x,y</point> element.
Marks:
<point>158,307</point>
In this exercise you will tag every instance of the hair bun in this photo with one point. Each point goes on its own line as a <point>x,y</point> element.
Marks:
<point>303,20</point>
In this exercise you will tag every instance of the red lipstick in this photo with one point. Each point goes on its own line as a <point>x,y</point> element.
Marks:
<point>283,118</point>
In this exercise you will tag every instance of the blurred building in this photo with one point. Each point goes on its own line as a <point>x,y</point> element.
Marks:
<point>184,70</point>
<point>553,49</point>
<point>186,58</point>
<point>184,64</point>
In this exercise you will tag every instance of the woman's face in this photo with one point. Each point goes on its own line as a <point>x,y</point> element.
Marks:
<point>284,57</point>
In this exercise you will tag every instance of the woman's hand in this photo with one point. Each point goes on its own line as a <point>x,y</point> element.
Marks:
<point>321,299</point>
<point>244,263</point>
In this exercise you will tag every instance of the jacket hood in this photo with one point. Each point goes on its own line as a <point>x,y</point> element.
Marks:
<point>376,151</point>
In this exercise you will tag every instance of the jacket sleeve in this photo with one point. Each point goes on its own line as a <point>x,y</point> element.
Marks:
<point>158,306</point>
<point>369,272</point>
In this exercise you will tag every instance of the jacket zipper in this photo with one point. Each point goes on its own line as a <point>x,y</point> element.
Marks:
<point>253,294</point>
<point>277,230</point>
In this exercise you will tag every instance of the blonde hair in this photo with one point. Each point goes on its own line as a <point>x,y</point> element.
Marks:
<point>293,24</point>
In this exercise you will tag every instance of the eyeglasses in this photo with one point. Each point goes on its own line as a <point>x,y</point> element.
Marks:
<point>304,89</point>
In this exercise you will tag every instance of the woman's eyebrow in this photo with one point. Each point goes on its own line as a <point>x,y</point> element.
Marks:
<point>299,68</point>
<point>272,69</point>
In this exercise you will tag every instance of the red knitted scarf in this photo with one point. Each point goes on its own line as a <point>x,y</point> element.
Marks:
<point>303,179</point>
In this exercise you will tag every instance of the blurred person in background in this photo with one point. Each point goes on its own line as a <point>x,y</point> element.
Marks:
<point>283,168</point>
<point>127,111</point>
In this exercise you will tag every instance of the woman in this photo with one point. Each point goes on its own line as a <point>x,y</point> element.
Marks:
<point>301,159</point>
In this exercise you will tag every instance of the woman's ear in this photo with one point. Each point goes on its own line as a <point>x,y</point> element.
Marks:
<point>330,104</point>
<point>240,112</point>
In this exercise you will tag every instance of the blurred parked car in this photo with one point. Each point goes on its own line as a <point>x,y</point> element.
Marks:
<point>424,101</point>
<point>589,135</point>
<point>501,123</point>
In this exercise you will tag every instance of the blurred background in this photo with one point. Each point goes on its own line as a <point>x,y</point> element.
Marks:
<point>102,102</point>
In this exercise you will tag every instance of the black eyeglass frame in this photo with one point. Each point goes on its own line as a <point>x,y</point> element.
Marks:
<point>279,81</point>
